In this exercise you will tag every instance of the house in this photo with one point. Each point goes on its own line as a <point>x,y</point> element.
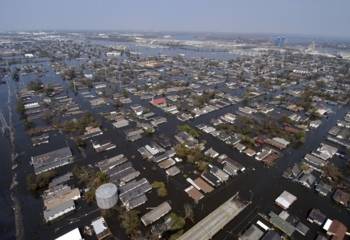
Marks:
<point>211,153</point>
<point>133,190</point>
<point>120,123</point>
<point>341,197</point>
<point>302,228</point>
<point>240,147</point>
<point>281,141</point>
<point>314,162</point>
<point>187,139</point>
<point>203,185</point>
<point>229,117</point>
<point>28,55</point>
<point>31,105</point>
<point>263,154</point>
<point>249,152</point>
<point>101,146</point>
<point>252,233</point>
<point>316,216</point>
<point>323,188</point>
<point>194,193</point>
<point>336,229</point>
<point>321,237</point>
<point>59,194</point>
<point>296,171</point>
<point>92,132</point>
<point>272,235</point>
<point>173,171</point>
<point>159,102</point>
<point>281,224</point>
<point>307,180</point>
<point>100,228</point>
<point>156,213</point>
<point>217,172</point>
<point>315,124</point>
<point>326,151</point>
<point>113,54</point>
<point>211,179</point>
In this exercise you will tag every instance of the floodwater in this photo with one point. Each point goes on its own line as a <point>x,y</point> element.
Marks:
<point>147,51</point>
<point>258,184</point>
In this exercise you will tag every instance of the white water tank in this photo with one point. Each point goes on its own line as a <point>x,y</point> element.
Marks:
<point>106,195</point>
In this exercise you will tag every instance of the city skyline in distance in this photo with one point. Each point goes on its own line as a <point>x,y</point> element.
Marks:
<point>324,18</point>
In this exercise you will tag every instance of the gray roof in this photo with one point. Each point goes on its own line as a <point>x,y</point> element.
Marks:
<point>215,221</point>
<point>51,160</point>
<point>271,235</point>
<point>281,224</point>
<point>252,233</point>
<point>302,228</point>
<point>49,213</point>
<point>156,213</point>
<point>316,216</point>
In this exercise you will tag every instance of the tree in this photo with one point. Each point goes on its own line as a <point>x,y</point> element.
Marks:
<point>332,171</point>
<point>177,222</point>
<point>187,128</point>
<point>161,188</point>
<point>39,182</point>
<point>130,221</point>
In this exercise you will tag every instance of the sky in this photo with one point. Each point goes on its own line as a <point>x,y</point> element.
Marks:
<point>311,17</point>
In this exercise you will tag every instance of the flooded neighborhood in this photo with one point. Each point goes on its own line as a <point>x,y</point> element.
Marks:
<point>118,135</point>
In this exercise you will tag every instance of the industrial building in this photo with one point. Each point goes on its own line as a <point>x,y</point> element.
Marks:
<point>215,221</point>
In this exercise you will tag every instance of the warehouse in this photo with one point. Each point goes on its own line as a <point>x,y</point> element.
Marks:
<point>52,160</point>
<point>215,221</point>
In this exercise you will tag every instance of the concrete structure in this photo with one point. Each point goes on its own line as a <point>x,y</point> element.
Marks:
<point>106,196</point>
<point>215,221</point>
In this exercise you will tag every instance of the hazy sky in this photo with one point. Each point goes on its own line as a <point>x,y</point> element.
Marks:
<point>315,17</point>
